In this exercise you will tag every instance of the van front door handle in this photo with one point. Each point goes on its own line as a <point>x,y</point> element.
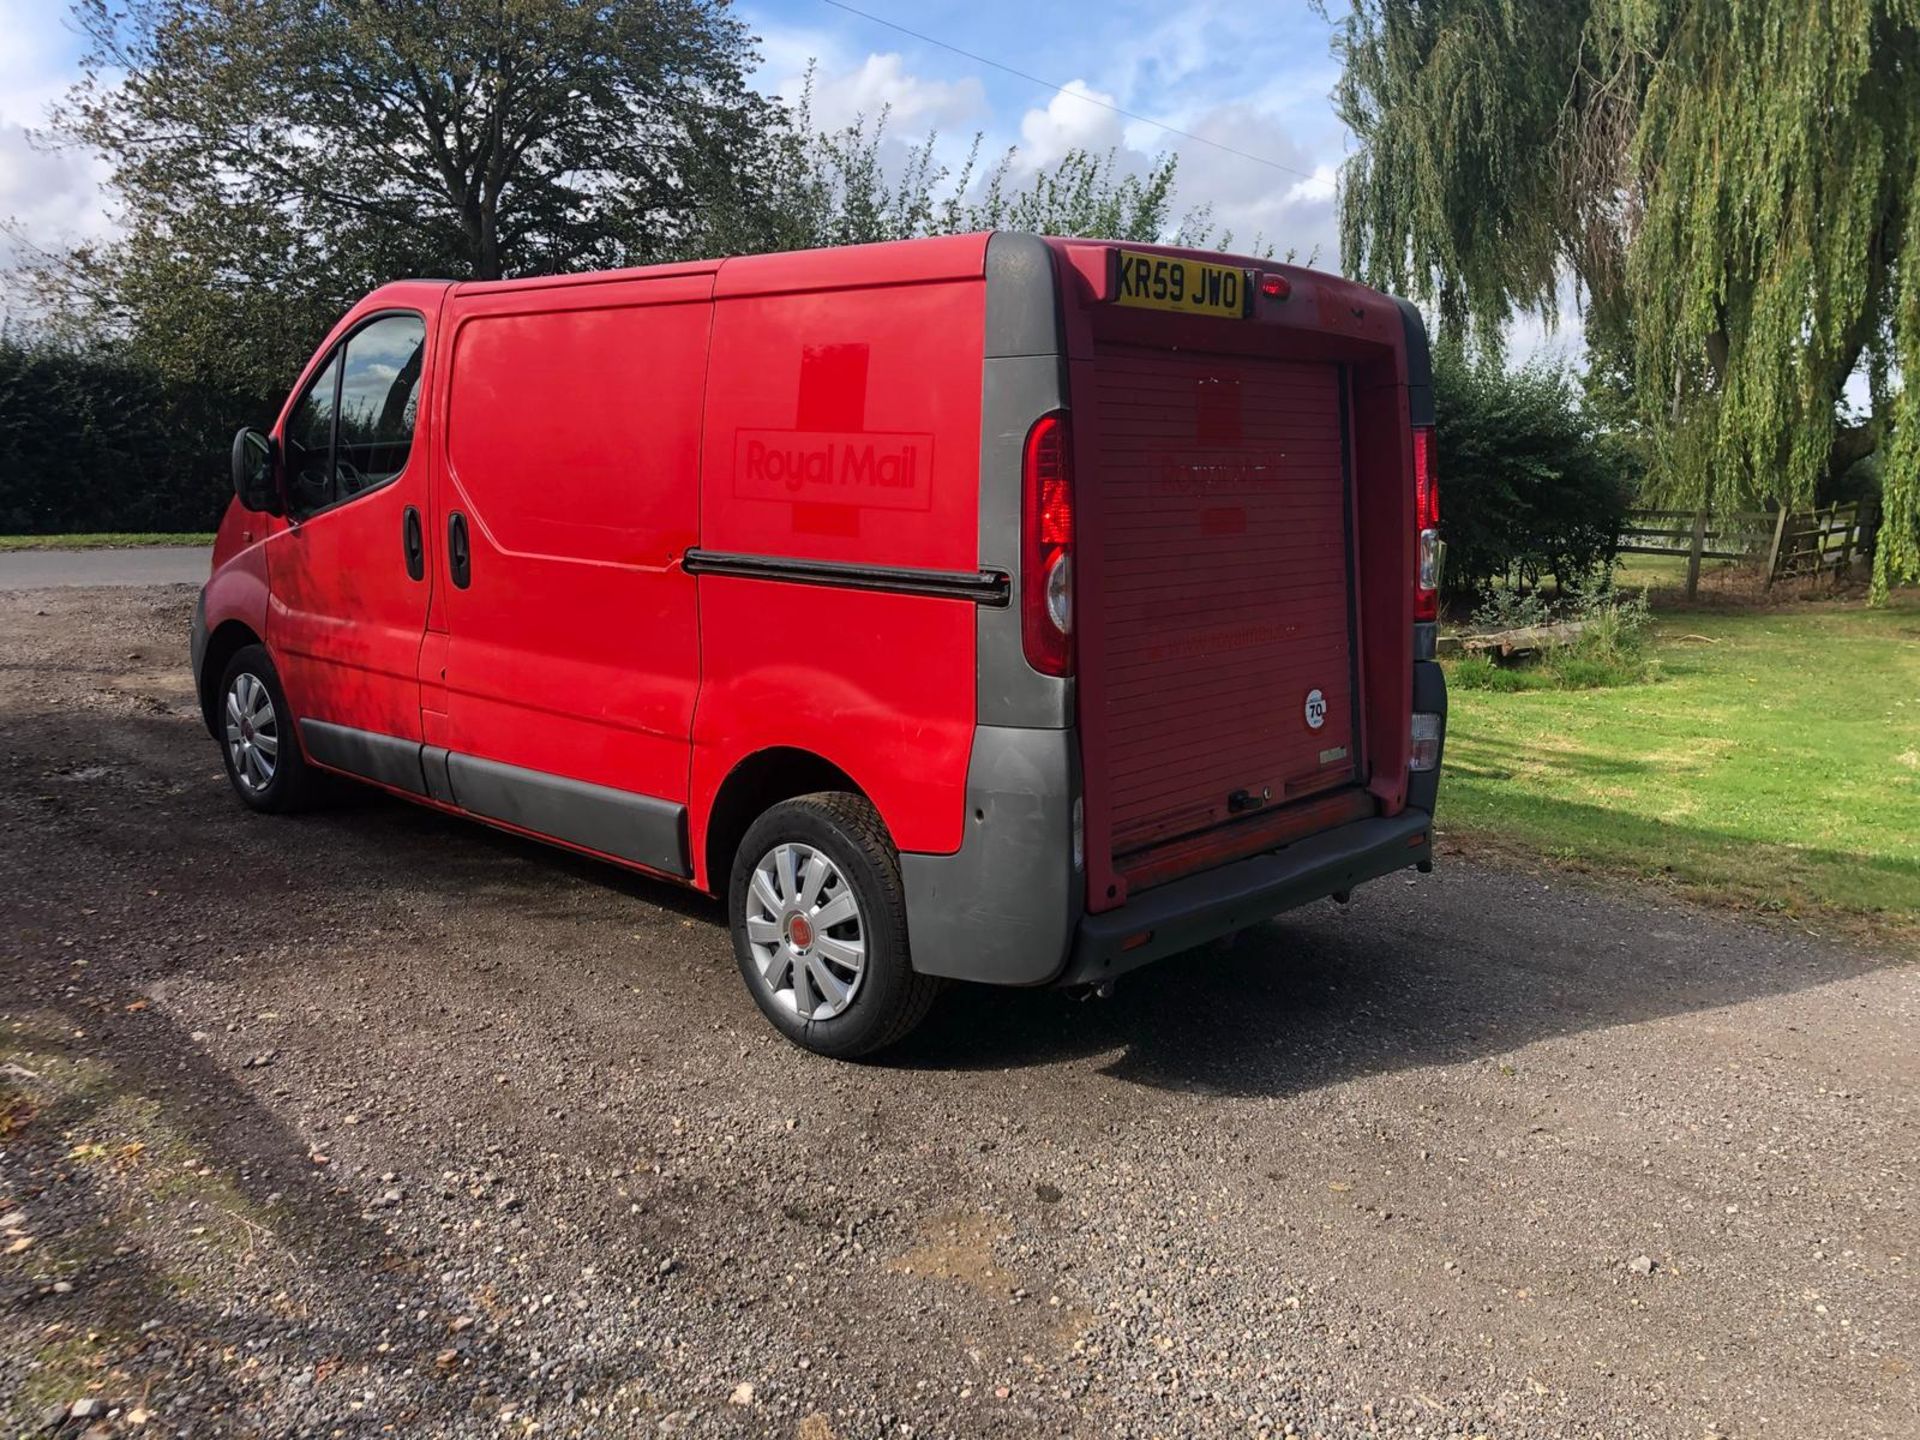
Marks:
<point>413,544</point>
<point>459,555</point>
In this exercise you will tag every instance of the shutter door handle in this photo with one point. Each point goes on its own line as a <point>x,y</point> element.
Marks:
<point>459,554</point>
<point>413,543</point>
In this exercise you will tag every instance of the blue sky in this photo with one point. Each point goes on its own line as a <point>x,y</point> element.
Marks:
<point>1255,77</point>
<point>1252,77</point>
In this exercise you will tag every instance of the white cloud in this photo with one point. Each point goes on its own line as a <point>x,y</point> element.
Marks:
<point>1289,208</point>
<point>882,82</point>
<point>1320,187</point>
<point>1077,118</point>
<point>849,85</point>
<point>1287,204</point>
<point>53,194</point>
<point>1562,342</point>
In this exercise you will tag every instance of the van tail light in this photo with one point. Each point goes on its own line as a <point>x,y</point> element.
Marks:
<point>1046,547</point>
<point>1426,525</point>
<point>1426,742</point>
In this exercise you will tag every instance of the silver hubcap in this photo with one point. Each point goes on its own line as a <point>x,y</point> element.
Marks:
<point>805,930</point>
<point>253,732</point>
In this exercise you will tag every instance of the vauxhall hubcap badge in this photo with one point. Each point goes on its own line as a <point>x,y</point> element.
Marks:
<point>807,942</point>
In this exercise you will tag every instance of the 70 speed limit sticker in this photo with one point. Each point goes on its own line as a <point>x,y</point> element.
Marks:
<point>1316,709</point>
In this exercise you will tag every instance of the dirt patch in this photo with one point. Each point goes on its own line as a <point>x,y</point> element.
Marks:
<point>959,1247</point>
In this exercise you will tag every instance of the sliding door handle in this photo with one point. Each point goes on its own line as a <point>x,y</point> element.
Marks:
<point>459,553</point>
<point>413,544</point>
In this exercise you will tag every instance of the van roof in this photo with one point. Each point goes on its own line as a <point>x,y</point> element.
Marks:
<point>892,262</point>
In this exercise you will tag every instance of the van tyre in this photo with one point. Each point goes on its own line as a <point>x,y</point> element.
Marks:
<point>257,740</point>
<point>820,927</point>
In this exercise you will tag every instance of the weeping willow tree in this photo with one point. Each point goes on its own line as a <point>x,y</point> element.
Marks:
<point>1728,186</point>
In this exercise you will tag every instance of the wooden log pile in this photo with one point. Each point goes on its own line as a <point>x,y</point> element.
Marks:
<point>1527,640</point>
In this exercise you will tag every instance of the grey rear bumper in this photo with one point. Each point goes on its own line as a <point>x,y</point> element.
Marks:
<point>1006,908</point>
<point>1190,912</point>
<point>1001,909</point>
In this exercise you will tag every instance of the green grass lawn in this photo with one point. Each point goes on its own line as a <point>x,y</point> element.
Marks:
<point>1661,572</point>
<point>1774,764</point>
<point>108,540</point>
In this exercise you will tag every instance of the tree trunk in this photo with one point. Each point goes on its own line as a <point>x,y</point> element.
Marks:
<point>486,264</point>
<point>1852,443</point>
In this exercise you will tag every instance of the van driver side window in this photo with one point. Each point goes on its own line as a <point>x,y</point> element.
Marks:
<point>309,443</point>
<point>352,429</point>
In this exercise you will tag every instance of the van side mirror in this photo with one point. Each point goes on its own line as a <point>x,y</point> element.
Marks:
<point>254,481</point>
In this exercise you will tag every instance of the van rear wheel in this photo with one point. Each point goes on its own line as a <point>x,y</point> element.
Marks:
<point>820,927</point>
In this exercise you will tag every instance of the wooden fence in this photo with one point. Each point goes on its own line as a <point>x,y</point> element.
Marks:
<point>1796,542</point>
<point>1820,541</point>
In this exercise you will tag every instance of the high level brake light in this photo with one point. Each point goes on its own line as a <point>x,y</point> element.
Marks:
<point>1046,546</point>
<point>1426,524</point>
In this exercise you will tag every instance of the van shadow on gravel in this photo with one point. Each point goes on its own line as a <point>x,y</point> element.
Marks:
<point>1465,964</point>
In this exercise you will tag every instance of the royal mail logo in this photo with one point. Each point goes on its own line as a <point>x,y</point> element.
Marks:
<point>1174,475</point>
<point>887,471</point>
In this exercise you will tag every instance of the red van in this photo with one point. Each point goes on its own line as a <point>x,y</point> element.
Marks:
<point>993,607</point>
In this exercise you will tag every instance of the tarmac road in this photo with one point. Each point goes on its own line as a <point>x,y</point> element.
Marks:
<point>135,565</point>
<point>376,1122</point>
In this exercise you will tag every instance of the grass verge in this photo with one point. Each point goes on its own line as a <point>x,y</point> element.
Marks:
<point>1775,766</point>
<point>1567,669</point>
<point>104,540</point>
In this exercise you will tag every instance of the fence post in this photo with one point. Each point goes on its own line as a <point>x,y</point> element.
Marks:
<point>1693,553</point>
<point>1843,567</point>
<point>1773,553</point>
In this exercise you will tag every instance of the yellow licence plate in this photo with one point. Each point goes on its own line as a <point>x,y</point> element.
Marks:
<point>1189,287</point>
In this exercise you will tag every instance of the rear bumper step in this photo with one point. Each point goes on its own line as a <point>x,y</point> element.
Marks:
<point>1185,913</point>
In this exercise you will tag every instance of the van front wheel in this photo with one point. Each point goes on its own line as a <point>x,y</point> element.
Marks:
<point>820,927</point>
<point>263,756</point>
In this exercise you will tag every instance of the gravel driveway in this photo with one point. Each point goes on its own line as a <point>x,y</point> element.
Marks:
<point>376,1123</point>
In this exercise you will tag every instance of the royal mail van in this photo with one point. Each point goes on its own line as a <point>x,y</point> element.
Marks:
<point>998,608</point>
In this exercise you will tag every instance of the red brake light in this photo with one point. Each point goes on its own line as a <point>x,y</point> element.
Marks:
<point>1046,547</point>
<point>1275,287</point>
<point>1426,484</point>
<point>1426,528</point>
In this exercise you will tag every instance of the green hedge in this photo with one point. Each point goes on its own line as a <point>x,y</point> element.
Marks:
<point>89,441</point>
<point>1529,487</point>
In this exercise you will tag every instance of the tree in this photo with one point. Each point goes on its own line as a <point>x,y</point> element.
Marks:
<point>274,159</point>
<point>836,188</point>
<point>1531,486</point>
<point>1732,188</point>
